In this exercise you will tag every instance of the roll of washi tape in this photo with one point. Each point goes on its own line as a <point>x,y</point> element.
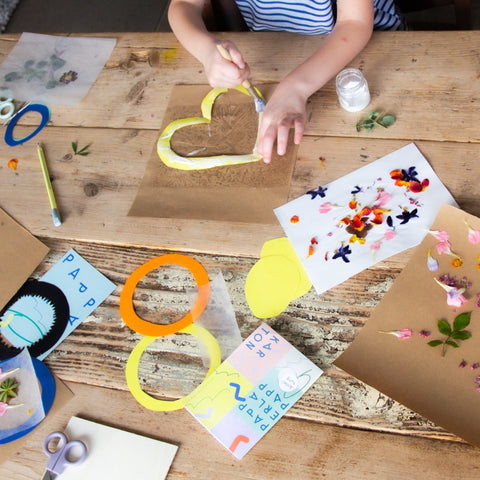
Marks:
<point>131,371</point>
<point>43,110</point>
<point>152,329</point>
<point>6,107</point>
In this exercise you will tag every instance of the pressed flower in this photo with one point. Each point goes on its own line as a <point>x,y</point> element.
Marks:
<point>389,235</point>
<point>455,296</point>
<point>463,364</point>
<point>406,216</point>
<point>325,207</point>
<point>432,264</point>
<point>5,406</point>
<point>320,191</point>
<point>354,239</point>
<point>382,199</point>
<point>294,219</point>
<point>352,204</point>
<point>457,262</point>
<point>443,247</point>
<point>313,241</point>
<point>13,164</point>
<point>475,366</point>
<point>342,253</point>
<point>311,250</point>
<point>440,235</point>
<point>374,247</point>
<point>473,235</point>
<point>400,334</point>
<point>424,333</point>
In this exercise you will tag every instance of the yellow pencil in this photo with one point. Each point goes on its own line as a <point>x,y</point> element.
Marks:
<point>53,204</point>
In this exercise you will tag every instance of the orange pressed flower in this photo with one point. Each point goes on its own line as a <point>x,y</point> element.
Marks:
<point>294,219</point>
<point>13,164</point>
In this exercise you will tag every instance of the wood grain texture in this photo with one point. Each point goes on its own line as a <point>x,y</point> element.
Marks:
<point>428,80</point>
<point>320,326</point>
<point>293,449</point>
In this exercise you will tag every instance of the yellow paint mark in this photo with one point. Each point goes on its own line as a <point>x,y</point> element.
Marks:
<point>7,321</point>
<point>168,54</point>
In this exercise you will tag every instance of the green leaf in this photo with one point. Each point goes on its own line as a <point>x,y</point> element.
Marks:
<point>452,343</point>
<point>388,120</point>
<point>57,62</point>
<point>28,64</point>
<point>74,147</point>
<point>461,335</point>
<point>372,115</point>
<point>12,76</point>
<point>444,327</point>
<point>435,343</point>
<point>41,64</point>
<point>51,84</point>
<point>84,148</point>
<point>462,321</point>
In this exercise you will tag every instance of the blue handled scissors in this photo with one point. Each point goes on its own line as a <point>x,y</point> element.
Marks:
<point>59,458</point>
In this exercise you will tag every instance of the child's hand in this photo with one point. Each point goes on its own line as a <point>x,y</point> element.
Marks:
<point>285,110</point>
<point>224,73</point>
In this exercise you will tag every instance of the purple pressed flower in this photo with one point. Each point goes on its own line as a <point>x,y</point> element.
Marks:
<point>424,333</point>
<point>475,366</point>
<point>342,253</point>
<point>432,264</point>
<point>320,191</point>
<point>463,364</point>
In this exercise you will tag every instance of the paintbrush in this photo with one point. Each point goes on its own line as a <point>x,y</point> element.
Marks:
<point>259,103</point>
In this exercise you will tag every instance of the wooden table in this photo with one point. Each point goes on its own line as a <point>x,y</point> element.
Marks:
<point>340,428</point>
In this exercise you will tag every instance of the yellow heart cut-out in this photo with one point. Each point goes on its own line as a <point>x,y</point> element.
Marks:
<point>173,160</point>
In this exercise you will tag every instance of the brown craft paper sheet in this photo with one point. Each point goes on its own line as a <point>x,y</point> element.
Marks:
<point>62,396</point>
<point>410,371</point>
<point>20,254</point>
<point>239,193</point>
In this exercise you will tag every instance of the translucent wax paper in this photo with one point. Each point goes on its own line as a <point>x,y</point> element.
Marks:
<point>31,412</point>
<point>54,70</point>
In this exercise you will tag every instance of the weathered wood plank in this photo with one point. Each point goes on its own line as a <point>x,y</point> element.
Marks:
<point>429,80</point>
<point>320,326</point>
<point>292,449</point>
<point>94,193</point>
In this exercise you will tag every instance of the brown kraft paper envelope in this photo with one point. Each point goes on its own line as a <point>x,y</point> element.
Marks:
<point>410,371</point>
<point>20,254</point>
<point>245,193</point>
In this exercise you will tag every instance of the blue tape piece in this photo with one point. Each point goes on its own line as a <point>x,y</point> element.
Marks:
<point>43,110</point>
<point>47,384</point>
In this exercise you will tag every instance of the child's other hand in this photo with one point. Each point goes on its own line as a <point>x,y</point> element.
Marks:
<point>225,73</point>
<point>285,110</point>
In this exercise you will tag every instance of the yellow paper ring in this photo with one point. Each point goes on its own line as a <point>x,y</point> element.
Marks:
<point>131,371</point>
<point>149,329</point>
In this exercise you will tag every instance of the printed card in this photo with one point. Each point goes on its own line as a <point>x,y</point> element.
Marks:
<point>251,390</point>
<point>43,313</point>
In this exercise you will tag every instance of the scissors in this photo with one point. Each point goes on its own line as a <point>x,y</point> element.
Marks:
<point>59,458</point>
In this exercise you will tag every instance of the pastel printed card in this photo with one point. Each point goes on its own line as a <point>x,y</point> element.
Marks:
<point>251,390</point>
<point>341,228</point>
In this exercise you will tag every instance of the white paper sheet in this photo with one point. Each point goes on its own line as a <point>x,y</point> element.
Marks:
<point>39,68</point>
<point>116,454</point>
<point>394,218</point>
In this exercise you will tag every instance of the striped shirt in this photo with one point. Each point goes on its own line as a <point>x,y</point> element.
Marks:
<point>310,17</point>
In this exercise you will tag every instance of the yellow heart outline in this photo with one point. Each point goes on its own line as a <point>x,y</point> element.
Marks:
<point>173,160</point>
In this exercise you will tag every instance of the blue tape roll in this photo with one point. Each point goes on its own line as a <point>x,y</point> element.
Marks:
<point>43,110</point>
<point>47,384</point>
